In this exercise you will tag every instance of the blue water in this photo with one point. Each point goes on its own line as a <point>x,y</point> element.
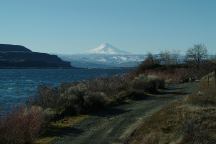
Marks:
<point>16,85</point>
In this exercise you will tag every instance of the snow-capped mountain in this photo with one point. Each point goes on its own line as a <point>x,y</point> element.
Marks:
<point>104,56</point>
<point>103,61</point>
<point>107,49</point>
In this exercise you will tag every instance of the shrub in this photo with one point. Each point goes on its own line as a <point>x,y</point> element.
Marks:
<point>173,75</point>
<point>21,126</point>
<point>47,97</point>
<point>49,114</point>
<point>147,83</point>
<point>111,85</point>
<point>79,97</point>
<point>121,96</point>
<point>161,83</point>
<point>84,96</point>
<point>72,99</point>
<point>95,100</point>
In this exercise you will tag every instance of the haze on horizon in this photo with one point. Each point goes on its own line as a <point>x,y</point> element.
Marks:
<point>137,26</point>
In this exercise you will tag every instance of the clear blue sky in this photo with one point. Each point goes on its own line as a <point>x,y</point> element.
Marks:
<point>138,26</point>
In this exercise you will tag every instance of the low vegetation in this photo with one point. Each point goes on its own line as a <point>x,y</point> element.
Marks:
<point>56,108</point>
<point>21,126</point>
<point>54,129</point>
<point>82,97</point>
<point>88,96</point>
<point>149,83</point>
<point>190,121</point>
<point>53,107</point>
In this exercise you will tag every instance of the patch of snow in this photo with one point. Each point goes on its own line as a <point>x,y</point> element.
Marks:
<point>107,49</point>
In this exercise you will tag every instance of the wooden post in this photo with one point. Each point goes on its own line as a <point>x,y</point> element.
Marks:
<point>208,80</point>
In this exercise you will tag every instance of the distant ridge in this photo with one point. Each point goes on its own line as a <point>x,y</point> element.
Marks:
<point>17,56</point>
<point>104,56</point>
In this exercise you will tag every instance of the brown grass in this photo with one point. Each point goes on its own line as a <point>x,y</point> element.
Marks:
<point>86,96</point>
<point>148,83</point>
<point>21,126</point>
<point>190,121</point>
<point>175,76</point>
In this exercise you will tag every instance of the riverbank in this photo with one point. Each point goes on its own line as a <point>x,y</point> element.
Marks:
<point>17,85</point>
<point>114,125</point>
<point>55,110</point>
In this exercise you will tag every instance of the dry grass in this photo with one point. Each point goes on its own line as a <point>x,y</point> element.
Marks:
<point>173,75</point>
<point>159,128</point>
<point>68,122</point>
<point>111,85</point>
<point>190,121</point>
<point>205,96</point>
<point>46,140</point>
<point>86,96</point>
<point>21,126</point>
<point>178,123</point>
<point>50,135</point>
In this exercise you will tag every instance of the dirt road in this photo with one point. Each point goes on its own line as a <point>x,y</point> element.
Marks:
<point>112,126</point>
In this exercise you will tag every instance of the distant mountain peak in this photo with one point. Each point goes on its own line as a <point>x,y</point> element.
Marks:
<point>107,49</point>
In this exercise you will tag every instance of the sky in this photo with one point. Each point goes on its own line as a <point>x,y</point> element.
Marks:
<point>137,26</point>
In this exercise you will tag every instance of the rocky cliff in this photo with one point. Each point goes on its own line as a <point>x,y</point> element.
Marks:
<point>16,56</point>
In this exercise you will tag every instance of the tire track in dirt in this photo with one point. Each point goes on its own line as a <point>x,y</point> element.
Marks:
<point>115,124</point>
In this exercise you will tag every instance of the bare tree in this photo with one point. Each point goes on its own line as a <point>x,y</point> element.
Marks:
<point>150,60</point>
<point>197,55</point>
<point>175,57</point>
<point>165,58</point>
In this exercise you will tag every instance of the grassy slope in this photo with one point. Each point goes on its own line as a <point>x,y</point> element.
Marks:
<point>189,121</point>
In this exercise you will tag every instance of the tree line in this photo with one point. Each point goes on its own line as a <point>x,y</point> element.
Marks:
<point>194,57</point>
